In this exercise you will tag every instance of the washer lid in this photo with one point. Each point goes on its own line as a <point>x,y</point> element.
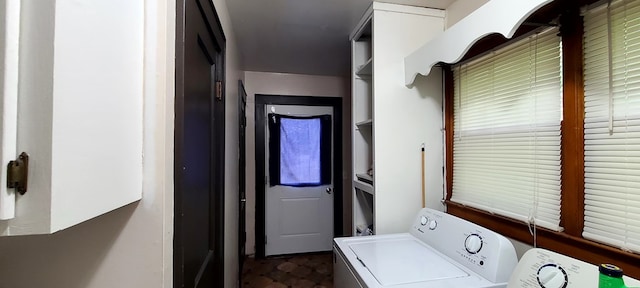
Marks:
<point>404,261</point>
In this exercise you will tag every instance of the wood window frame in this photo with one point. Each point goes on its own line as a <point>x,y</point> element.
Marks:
<point>569,241</point>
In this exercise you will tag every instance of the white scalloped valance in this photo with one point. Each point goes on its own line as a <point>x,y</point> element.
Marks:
<point>496,16</point>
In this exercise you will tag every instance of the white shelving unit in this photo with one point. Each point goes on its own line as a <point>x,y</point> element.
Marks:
<point>387,116</point>
<point>361,44</point>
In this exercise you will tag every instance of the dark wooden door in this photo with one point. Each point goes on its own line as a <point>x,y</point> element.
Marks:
<point>199,147</point>
<point>242,176</point>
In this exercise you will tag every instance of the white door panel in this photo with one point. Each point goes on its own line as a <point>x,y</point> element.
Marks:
<point>295,225</point>
<point>298,219</point>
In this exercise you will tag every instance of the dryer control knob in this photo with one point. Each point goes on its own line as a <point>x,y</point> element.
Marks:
<point>423,220</point>
<point>473,243</point>
<point>552,276</point>
<point>433,224</point>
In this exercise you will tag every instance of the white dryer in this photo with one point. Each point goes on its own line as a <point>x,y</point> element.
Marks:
<point>541,268</point>
<point>439,251</point>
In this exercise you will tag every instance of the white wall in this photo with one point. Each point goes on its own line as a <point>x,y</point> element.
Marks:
<point>233,74</point>
<point>520,247</point>
<point>132,246</point>
<point>293,85</point>
<point>460,9</point>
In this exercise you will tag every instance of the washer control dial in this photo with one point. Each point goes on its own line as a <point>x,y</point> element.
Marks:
<point>433,224</point>
<point>552,276</point>
<point>423,220</point>
<point>473,243</point>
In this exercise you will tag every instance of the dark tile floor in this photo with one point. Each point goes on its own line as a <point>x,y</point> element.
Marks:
<point>302,270</point>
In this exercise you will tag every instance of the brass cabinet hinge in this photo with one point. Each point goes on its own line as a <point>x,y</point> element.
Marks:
<point>18,172</point>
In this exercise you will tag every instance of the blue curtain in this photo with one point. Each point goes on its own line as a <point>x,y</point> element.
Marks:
<point>299,150</point>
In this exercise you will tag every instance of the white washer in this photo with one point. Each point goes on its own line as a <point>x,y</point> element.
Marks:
<point>440,251</point>
<point>547,269</point>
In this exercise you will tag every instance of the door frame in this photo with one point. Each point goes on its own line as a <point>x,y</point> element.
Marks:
<point>242,175</point>
<point>212,20</point>
<point>261,101</point>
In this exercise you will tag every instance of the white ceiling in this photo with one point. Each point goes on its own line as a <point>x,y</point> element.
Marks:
<point>301,36</point>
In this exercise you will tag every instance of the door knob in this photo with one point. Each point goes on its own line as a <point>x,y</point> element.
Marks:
<point>329,190</point>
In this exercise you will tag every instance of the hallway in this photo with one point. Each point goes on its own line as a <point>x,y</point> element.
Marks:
<point>302,270</point>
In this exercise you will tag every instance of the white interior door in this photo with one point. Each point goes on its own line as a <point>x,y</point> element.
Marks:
<point>298,219</point>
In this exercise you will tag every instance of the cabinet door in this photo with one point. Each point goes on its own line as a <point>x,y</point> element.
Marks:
<point>9,62</point>
<point>80,112</point>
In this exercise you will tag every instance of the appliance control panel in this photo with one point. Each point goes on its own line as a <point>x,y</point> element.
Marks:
<point>543,268</point>
<point>477,248</point>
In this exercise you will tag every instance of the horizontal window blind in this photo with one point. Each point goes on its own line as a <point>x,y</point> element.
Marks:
<point>612,124</point>
<point>506,148</point>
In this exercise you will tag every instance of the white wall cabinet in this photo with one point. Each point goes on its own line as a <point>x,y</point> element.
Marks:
<point>79,112</point>
<point>390,121</point>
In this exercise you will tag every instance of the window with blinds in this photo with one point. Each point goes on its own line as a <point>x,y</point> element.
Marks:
<point>507,114</point>
<point>612,124</point>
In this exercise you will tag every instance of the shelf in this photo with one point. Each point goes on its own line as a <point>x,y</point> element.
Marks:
<point>365,187</point>
<point>362,121</point>
<point>365,69</point>
<point>367,122</point>
<point>372,204</point>
<point>366,178</point>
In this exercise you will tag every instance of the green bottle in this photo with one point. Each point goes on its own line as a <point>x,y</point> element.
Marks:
<point>610,277</point>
